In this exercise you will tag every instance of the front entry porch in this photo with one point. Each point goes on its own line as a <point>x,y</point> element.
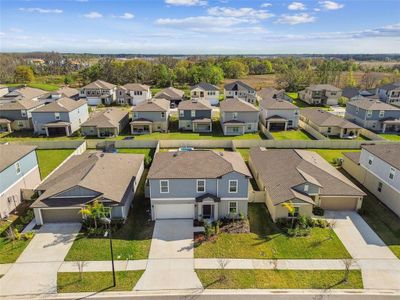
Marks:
<point>141,126</point>
<point>5,125</point>
<point>207,207</point>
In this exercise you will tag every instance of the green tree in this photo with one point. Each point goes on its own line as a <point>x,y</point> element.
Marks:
<point>95,211</point>
<point>234,69</point>
<point>23,74</point>
<point>212,74</point>
<point>350,78</point>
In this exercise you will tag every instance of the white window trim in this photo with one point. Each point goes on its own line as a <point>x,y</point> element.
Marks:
<point>237,186</point>
<point>193,113</point>
<point>306,187</point>
<point>237,207</point>
<point>197,185</point>
<point>370,158</point>
<point>17,167</point>
<point>161,192</point>
<point>181,113</point>
<point>392,171</point>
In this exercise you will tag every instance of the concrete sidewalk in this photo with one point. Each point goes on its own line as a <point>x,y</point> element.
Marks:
<point>104,266</point>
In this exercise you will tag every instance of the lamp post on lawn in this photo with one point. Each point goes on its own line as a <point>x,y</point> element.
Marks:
<point>107,222</point>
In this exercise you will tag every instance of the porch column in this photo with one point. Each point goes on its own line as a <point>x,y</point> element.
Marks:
<point>67,131</point>
<point>150,128</point>
<point>211,127</point>
<point>98,132</point>
<point>341,133</point>
<point>193,127</point>
<point>199,206</point>
<point>267,125</point>
<point>131,128</point>
<point>286,123</point>
<point>384,128</point>
<point>9,127</point>
<point>216,211</point>
<point>47,131</point>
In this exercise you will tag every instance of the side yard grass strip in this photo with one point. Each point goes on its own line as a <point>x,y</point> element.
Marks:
<point>96,281</point>
<point>279,279</point>
<point>48,160</point>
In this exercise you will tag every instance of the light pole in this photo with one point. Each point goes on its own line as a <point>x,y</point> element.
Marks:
<point>107,221</point>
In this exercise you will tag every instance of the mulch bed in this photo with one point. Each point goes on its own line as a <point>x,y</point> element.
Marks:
<point>227,226</point>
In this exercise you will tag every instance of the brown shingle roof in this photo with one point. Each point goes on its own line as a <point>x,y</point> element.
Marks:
<point>323,118</point>
<point>20,104</point>
<point>236,85</point>
<point>61,105</point>
<point>237,105</point>
<point>11,153</point>
<point>372,104</point>
<point>99,84</point>
<point>170,93</point>
<point>136,87</point>
<point>199,104</point>
<point>389,153</point>
<point>318,87</point>
<point>108,174</point>
<point>26,93</point>
<point>111,117</point>
<point>196,164</point>
<point>282,170</point>
<point>270,103</point>
<point>155,104</point>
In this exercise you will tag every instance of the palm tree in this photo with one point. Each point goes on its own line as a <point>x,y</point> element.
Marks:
<point>95,210</point>
<point>290,208</point>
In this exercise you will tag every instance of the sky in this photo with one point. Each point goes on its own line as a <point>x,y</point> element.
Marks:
<point>200,26</point>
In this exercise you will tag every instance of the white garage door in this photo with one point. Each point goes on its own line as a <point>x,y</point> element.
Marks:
<point>174,211</point>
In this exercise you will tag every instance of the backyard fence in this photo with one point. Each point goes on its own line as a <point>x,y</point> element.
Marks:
<point>312,131</point>
<point>53,144</point>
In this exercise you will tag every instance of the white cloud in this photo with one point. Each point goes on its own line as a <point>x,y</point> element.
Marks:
<point>93,15</point>
<point>186,2</point>
<point>126,16</point>
<point>203,21</point>
<point>243,12</point>
<point>265,5</point>
<point>297,6</point>
<point>296,19</point>
<point>330,5</point>
<point>41,10</point>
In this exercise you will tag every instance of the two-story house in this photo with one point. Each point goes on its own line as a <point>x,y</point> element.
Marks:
<point>109,178</point>
<point>241,90</point>
<point>278,114</point>
<point>61,117</point>
<point>133,93</point>
<point>303,178</point>
<point>106,123</point>
<point>19,171</point>
<point>271,92</point>
<point>329,124</point>
<point>389,93</point>
<point>205,91</point>
<point>98,92</point>
<point>374,115</point>
<point>238,117</point>
<point>22,93</point>
<point>321,94</point>
<point>195,115</point>
<point>377,168</point>
<point>60,93</point>
<point>203,185</point>
<point>173,95</point>
<point>150,116</point>
<point>17,115</point>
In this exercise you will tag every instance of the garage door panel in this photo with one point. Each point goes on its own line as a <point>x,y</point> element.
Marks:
<point>174,211</point>
<point>339,203</point>
<point>61,215</point>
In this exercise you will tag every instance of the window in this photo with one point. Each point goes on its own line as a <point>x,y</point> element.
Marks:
<point>370,160</point>
<point>357,110</point>
<point>20,123</point>
<point>201,186</point>
<point>234,115</point>
<point>380,185</point>
<point>181,113</point>
<point>233,186</point>
<point>23,113</point>
<point>296,212</point>
<point>135,114</point>
<point>233,208</point>
<point>17,168</point>
<point>249,127</point>
<point>381,113</point>
<point>235,129</point>
<point>164,186</point>
<point>391,173</point>
<point>369,113</point>
<point>193,113</point>
<point>306,187</point>
<point>329,130</point>
<point>290,123</point>
<point>162,114</point>
<point>57,116</point>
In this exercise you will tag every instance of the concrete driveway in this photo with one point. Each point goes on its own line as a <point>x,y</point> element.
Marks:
<point>35,271</point>
<point>380,267</point>
<point>170,265</point>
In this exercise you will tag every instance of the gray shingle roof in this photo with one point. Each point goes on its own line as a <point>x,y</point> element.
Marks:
<point>196,164</point>
<point>11,153</point>
<point>390,86</point>
<point>155,104</point>
<point>136,87</point>
<point>318,87</point>
<point>61,105</point>
<point>389,153</point>
<point>350,92</point>
<point>170,93</point>
<point>237,105</point>
<point>323,118</point>
<point>20,104</point>
<point>199,104</point>
<point>99,84</point>
<point>234,86</point>
<point>270,103</point>
<point>111,117</point>
<point>372,104</point>
<point>205,86</point>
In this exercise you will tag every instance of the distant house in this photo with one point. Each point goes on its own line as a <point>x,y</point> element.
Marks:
<point>377,168</point>
<point>150,116</point>
<point>353,93</point>
<point>270,92</point>
<point>374,115</point>
<point>203,185</point>
<point>195,115</point>
<point>329,124</point>
<point>110,178</point>
<point>133,93</point>
<point>3,90</point>
<point>205,91</point>
<point>61,117</point>
<point>98,92</point>
<point>22,93</point>
<point>17,115</point>
<point>173,95</point>
<point>389,93</point>
<point>106,123</point>
<point>321,94</point>
<point>278,114</point>
<point>303,178</point>
<point>60,93</point>
<point>19,172</point>
<point>241,90</point>
<point>238,117</point>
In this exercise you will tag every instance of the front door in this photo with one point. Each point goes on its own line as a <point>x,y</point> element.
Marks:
<point>208,211</point>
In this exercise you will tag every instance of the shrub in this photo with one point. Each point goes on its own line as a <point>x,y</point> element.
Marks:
<point>147,161</point>
<point>28,235</point>
<point>100,106</point>
<point>318,211</point>
<point>17,234</point>
<point>207,230</point>
<point>217,225</point>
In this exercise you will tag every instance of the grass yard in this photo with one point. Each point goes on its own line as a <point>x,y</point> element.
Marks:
<point>390,137</point>
<point>266,238</point>
<point>291,135</point>
<point>244,152</point>
<point>132,241</point>
<point>50,159</point>
<point>42,86</point>
<point>148,152</point>
<point>25,135</point>
<point>96,281</point>
<point>10,251</point>
<point>279,279</point>
<point>332,154</point>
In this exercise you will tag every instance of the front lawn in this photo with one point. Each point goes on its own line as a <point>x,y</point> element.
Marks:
<point>390,137</point>
<point>332,154</point>
<point>279,279</point>
<point>266,240</point>
<point>291,135</point>
<point>10,251</point>
<point>132,241</point>
<point>48,160</point>
<point>96,281</point>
